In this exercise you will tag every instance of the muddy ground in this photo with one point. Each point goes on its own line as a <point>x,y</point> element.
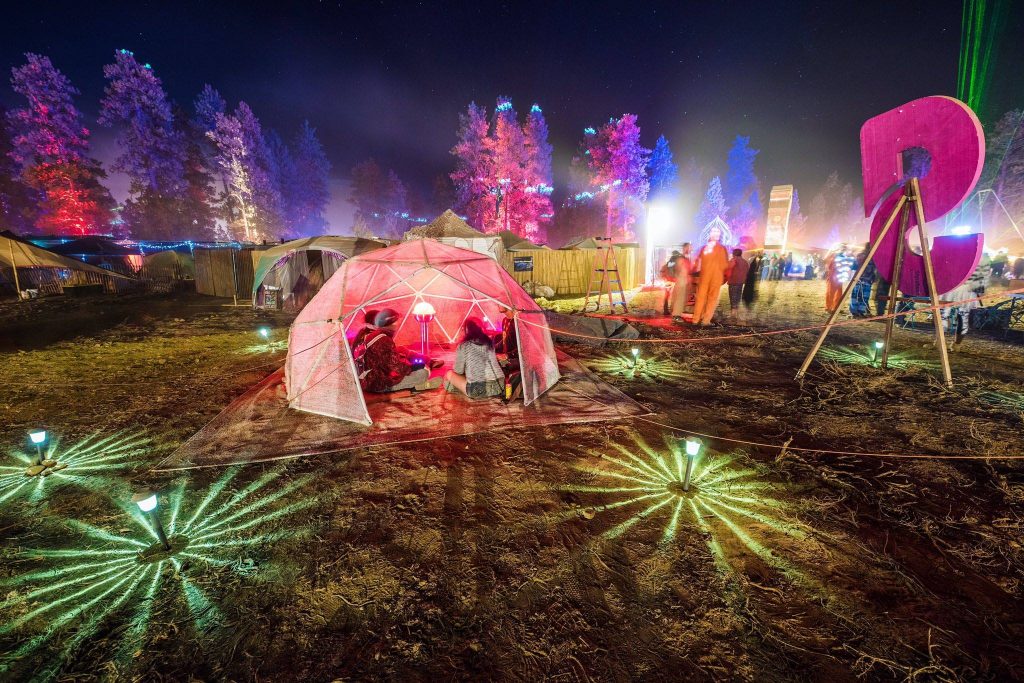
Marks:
<point>565,553</point>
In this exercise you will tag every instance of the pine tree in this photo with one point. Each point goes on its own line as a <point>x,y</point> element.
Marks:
<point>283,173</point>
<point>311,191</point>
<point>537,211</point>
<point>662,171</point>
<point>253,198</point>
<point>713,205</point>
<point>508,165</point>
<point>1006,168</point>
<point>18,202</point>
<point>472,178</point>
<point>50,146</point>
<point>152,148</point>
<point>380,200</point>
<point>618,164</point>
<point>742,188</point>
<point>196,205</point>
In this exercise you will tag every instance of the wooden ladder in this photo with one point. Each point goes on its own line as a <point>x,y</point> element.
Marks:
<point>604,276</point>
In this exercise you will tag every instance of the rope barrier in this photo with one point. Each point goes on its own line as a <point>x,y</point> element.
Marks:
<point>788,330</point>
<point>760,444</point>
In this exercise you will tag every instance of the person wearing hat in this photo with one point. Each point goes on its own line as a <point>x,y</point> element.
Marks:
<point>382,366</point>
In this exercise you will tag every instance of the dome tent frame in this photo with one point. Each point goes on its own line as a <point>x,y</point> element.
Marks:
<point>320,372</point>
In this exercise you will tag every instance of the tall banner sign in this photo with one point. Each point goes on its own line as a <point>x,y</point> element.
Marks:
<point>776,230</point>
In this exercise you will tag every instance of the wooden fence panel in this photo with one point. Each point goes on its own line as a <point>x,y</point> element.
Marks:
<point>568,271</point>
<point>217,276</point>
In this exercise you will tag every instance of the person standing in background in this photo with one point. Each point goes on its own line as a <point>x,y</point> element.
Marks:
<point>682,269</point>
<point>738,269</point>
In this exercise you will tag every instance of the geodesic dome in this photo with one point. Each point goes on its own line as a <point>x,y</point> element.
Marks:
<point>320,373</point>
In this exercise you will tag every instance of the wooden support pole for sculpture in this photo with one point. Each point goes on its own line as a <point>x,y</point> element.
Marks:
<point>929,270</point>
<point>849,287</point>
<point>909,201</point>
<point>897,273</point>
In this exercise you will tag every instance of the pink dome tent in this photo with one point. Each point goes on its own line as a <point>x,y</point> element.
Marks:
<point>320,373</point>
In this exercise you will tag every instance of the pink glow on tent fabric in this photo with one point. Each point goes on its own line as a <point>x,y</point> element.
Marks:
<point>457,283</point>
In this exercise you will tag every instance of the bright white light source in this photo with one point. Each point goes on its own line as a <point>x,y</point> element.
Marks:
<point>636,352</point>
<point>423,311</point>
<point>693,446</point>
<point>961,230</point>
<point>145,502</point>
<point>38,436</point>
<point>879,344</point>
<point>660,219</point>
<point>264,332</point>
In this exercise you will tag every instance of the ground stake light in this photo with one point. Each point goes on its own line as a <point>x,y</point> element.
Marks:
<point>693,446</point>
<point>147,502</point>
<point>264,332</point>
<point>38,438</point>
<point>875,348</point>
<point>636,356</point>
<point>423,312</point>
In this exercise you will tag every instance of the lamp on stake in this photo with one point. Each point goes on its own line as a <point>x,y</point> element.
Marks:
<point>423,312</point>
<point>876,347</point>
<point>147,502</point>
<point>264,332</point>
<point>38,438</point>
<point>636,356</point>
<point>693,446</point>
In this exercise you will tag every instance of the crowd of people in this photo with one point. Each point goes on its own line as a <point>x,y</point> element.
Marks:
<point>384,367</point>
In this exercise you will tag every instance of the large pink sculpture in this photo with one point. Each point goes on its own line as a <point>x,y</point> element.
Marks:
<point>950,132</point>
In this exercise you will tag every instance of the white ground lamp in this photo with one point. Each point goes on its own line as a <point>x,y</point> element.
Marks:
<point>264,332</point>
<point>147,502</point>
<point>875,348</point>
<point>38,438</point>
<point>636,356</point>
<point>693,446</point>
<point>424,313</point>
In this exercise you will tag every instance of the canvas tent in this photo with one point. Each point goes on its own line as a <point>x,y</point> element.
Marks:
<point>513,242</point>
<point>300,267</point>
<point>38,266</point>
<point>170,264</point>
<point>320,374</point>
<point>449,229</point>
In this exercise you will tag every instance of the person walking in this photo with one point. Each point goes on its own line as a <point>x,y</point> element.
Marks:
<point>682,269</point>
<point>712,263</point>
<point>738,269</point>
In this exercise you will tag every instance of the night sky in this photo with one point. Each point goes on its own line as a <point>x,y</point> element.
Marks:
<point>389,79</point>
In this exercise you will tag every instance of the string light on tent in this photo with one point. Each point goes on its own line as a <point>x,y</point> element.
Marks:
<point>424,313</point>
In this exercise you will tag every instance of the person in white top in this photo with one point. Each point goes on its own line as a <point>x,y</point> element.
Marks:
<point>477,372</point>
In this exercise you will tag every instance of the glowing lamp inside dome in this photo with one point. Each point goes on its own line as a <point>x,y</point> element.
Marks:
<point>423,312</point>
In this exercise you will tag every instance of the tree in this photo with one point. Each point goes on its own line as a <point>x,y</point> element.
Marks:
<point>310,191</point>
<point>18,201</point>
<point>252,199</point>
<point>508,166</point>
<point>380,200</point>
<point>797,221</point>
<point>742,188</point>
<point>1005,166</point>
<point>50,146</point>
<point>537,211</point>
<point>283,175</point>
<point>152,148</point>
<point>713,205</point>
<point>473,167</point>
<point>618,165</point>
<point>662,171</point>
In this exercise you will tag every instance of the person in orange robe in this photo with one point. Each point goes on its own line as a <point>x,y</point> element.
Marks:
<point>837,275</point>
<point>713,264</point>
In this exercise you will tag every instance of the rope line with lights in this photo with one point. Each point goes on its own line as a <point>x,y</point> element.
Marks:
<point>788,330</point>
<point>761,444</point>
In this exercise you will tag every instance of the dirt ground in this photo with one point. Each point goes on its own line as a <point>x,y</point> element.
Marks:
<point>564,553</point>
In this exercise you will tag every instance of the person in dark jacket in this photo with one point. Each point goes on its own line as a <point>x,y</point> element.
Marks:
<point>383,367</point>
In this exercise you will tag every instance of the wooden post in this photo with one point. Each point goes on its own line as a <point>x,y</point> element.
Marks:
<point>929,270</point>
<point>14,268</point>
<point>849,287</point>
<point>897,273</point>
